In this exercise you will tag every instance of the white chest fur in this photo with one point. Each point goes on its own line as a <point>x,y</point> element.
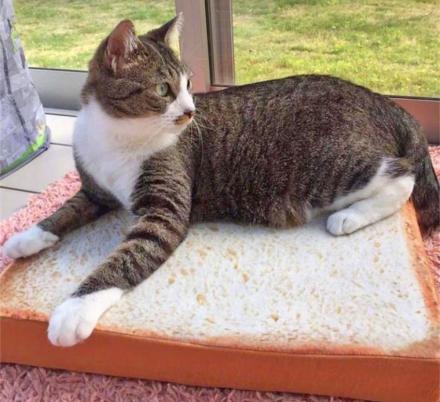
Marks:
<point>112,150</point>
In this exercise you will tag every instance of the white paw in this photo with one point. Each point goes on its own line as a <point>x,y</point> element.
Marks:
<point>74,319</point>
<point>29,242</point>
<point>344,222</point>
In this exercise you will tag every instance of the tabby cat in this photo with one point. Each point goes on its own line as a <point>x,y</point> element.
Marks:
<point>273,153</point>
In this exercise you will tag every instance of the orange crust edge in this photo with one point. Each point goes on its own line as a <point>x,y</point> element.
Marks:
<point>378,378</point>
<point>421,262</point>
<point>430,347</point>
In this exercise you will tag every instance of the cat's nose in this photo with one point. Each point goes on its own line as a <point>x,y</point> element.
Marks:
<point>186,116</point>
<point>189,113</point>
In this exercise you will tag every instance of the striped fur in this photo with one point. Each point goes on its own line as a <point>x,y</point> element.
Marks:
<point>76,212</point>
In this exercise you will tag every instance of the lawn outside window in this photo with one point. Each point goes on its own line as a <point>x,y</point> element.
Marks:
<point>390,47</point>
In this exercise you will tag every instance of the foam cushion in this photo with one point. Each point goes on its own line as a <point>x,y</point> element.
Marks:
<point>245,307</point>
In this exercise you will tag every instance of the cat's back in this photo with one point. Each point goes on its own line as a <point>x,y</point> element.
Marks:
<point>304,112</point>
<point>289,92</point>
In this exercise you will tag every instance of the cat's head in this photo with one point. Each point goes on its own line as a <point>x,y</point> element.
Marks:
<point>141,76</point>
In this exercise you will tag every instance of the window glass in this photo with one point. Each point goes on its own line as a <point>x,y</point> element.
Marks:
<point>65,34</point>
<point>389,46</point>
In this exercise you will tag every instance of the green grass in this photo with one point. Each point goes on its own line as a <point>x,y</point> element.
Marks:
<point>390,46</point>
<point>65,33</point>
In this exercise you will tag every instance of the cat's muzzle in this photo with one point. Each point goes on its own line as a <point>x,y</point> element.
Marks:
<point>185,118</point>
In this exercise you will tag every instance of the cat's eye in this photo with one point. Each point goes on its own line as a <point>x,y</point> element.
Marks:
<point>162,89</point>
<point>189,85</point>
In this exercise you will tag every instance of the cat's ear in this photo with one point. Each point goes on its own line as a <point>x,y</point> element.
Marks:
<point>120,44</point>
<point>168,33</point>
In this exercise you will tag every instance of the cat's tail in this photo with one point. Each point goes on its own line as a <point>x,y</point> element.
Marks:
<point>426,196</point>
<point>426,193</point>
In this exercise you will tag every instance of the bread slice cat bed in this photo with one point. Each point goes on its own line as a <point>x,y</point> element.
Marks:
<point>247,307</point>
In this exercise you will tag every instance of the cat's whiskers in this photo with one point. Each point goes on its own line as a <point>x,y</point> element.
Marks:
<point>196,125</point>
<point>208,125</point>
<point>199,124</point>
<point>201,116</point>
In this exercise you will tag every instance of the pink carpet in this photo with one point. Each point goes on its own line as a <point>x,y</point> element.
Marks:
<point>24,383</point>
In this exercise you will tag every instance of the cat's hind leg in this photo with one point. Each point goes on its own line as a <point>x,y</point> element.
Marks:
<point>384,195</point>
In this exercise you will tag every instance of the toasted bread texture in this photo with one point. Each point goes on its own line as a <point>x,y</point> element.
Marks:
<point>257,288</point>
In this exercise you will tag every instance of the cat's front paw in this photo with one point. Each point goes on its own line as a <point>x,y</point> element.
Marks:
<point>29,242</point>
<point>71,322</point>
<point>74,319</point>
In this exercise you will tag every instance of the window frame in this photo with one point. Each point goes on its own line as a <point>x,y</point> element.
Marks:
<point>221,42</point>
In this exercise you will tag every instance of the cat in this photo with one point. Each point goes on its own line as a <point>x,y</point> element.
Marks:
<point>273,153</point>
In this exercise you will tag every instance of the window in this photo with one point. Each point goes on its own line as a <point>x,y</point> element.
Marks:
<point>388,46</point>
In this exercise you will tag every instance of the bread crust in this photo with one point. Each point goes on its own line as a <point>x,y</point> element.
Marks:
<point>378,378</point>
<point>428,348</point>
<point>421,262</point>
